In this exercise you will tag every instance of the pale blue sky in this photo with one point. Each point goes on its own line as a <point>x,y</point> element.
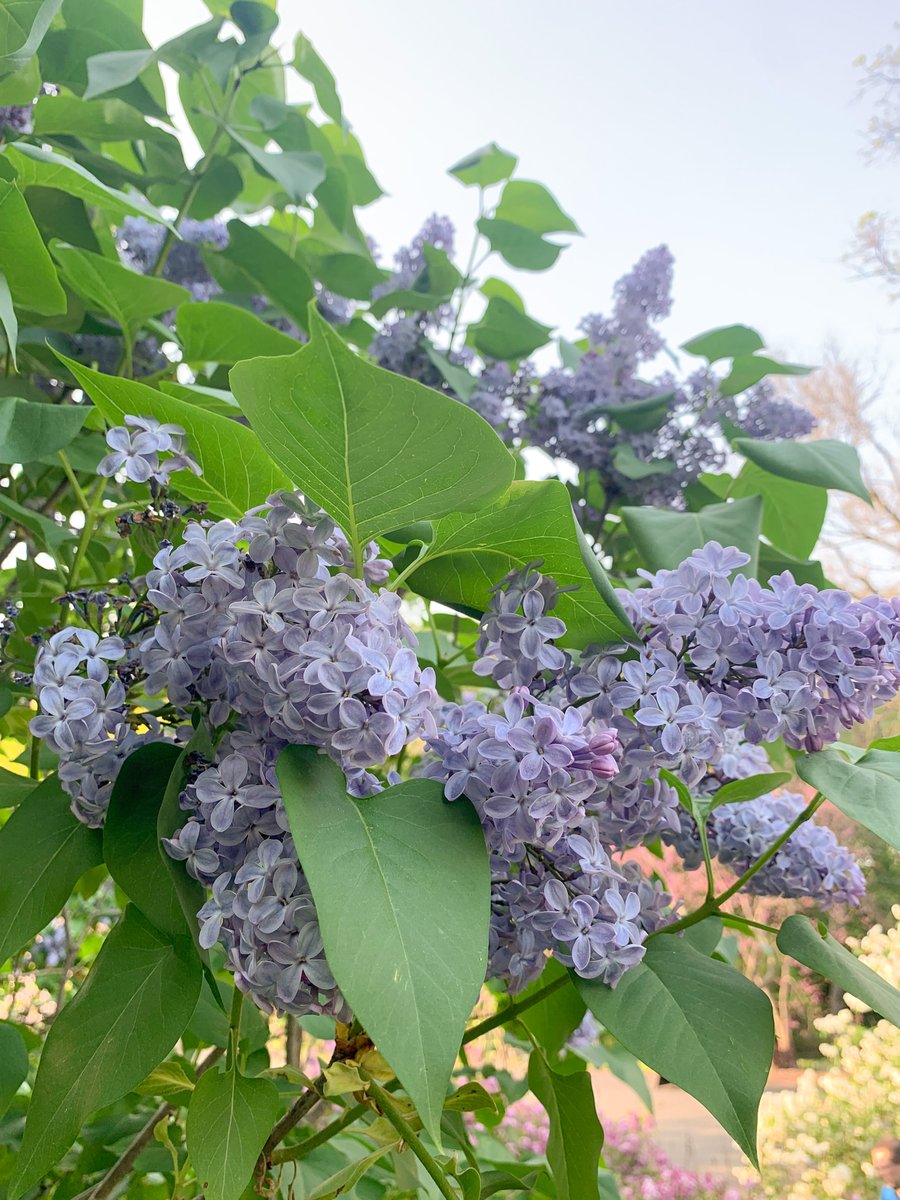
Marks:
<point>728,130</point>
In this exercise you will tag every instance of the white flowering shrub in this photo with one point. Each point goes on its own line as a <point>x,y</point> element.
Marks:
<point>815,1141</point>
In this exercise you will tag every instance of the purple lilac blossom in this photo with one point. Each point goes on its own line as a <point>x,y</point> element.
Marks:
<point>572,416</point>
<point>136,447</point>
<point>16,118</point>
<point>84,714</point>
<point>140,242</point>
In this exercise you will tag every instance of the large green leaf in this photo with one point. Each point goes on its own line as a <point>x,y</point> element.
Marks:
<point>505,332</point>
<point>237,472</point>
<point>23,24</point>
<point>280,278</point>
<point>298,172</point>
<point>773,561</point>
<point>131,846</point>
<point>121,1023</point>
<point>532,522</point>
<point>867,790</point>
<point>229,1118</point>
<point>793,513</point>
<point>665,538</point>
<point>44,851</point>
<point>822,463</point>
<point>800,938</point>
<point>14,788</point>
<point>518,246</point>
<point>31,430</point>
<point>484,167</point>
<point>8,320</point>
<point>94,120</point>
<point>45,530</point>
<point>530,205</point>
<point>13,1063</point>
<point>224,333</point>
<point>576,1136</point>
<point>729,341</point>
<point>307,62</point>
<point>402,888</point>
<point>109,287</point>
<point>27,265</point>
<point>36,167</point>
<point>699,1023</point>
<point>373,449</point>
<point>749,369</point>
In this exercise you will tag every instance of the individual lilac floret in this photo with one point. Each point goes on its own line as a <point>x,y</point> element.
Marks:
<point>136,448</point>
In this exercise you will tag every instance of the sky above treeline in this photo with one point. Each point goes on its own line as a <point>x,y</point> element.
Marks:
<point>731,132</point>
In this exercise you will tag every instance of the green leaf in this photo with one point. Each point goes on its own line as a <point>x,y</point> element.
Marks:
<point>224,333</point>
<point>484,167</point>
<point>627,463</point>
<point>23,24</point>
<point>665,538</point>
<point>8,320</point>
<point>576,1136</point>
<point>298,172</point>
<point>799,938</point>
<point>228,1120</point>
<point>237,472</point>
<point>36,167</point>
<point>532,522</point>
<point>868,790</point>
<point>108,120</point>
<point>823,463</point>
<point>502,290</point>
<point>433,286</point>
<point>22,85</point>
<point>109,287</point>
<point>30,430</point>
<point>699,1023</point>
<point>506,333</point>
<point>638,416</point>
<point>29,270</point>
<point>618,1062</point>
<point>747,370</point>
<point>705,935</point>
<point>131,846</point>
<point>553,1021</point>
<point>342,1181</point>
<point>306,62</point>
<point>401,883</point>
<point>793,513</point>
<point>749,788</point>
<point>168,1081</point>
<point>44,851</point>
<point>530,205</point>
<point>518,246</point>
<point>457,377</point>
<point>374,450</point>
<point>729,341</point>
<point>46,531</point>
<point>13,1063</point>
<point>773,561</point>
<point>120,1024</point>
<point>280,278</point>
<point>14,788</point>
<point>113,69</point>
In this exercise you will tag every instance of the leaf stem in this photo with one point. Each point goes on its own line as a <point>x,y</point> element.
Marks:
<point>87,532</point>
<point>73,480</point>
<point>470,268</point>
<point>234,1028</point>
<point>512,1011</point>
<point>406,1131</point>
<point>711,906</point>
<point>294,1115</point>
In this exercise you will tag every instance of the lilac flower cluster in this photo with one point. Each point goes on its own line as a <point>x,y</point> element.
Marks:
<point>261,625</point>
<point>16,119</point>
<point>84,715</point>
<point>539,773</point>
<point>573,415</point>
<point>811,864</point>
<point>136,446</point>
<point>141,241</point>
<point>410,261</point>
